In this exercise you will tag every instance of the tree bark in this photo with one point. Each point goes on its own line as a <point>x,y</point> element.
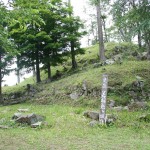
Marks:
<point>49,70</point>
<point>100,33</point>
<point>18,71</point>
<point>104,26</point>
<point>0,80</point>
<point>74,63</point>
<point>38,78</point>
<point>139,39</point>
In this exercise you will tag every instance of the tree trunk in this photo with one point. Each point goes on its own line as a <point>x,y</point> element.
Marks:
<point>139,39</point>
<point>74,63</point>
<point>34,72</point>
<point>0,80</point>
<point>104,26</point>
<point>49,70</point>
<point>38,78</point>
<point>18,71</point>
<point>100,34</point>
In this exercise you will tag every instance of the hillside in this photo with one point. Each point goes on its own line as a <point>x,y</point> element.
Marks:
<point>122,75</point>
<point>64,100</point>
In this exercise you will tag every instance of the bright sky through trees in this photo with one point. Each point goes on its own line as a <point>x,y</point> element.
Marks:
<point>78,7</point>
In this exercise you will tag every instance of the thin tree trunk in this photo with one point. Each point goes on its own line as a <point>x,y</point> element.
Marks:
<point>49,70</point>
<point>100,34</point>
<point>38,78</point>
<point>139,39</point>
<point>104,26</point>
<point>74,64</point>
<point>0,80</point>
<point>18,71</point>
<point>34,72</point>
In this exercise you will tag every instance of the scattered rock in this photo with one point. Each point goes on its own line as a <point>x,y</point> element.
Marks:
<point>37,124</point>
<point>93,123</point>
<point>74,96</point>
<point>138,105</point>
<point>145,118</point>
<point>111,103</point>
<point>97,65</point>
<point>4,127</point>
<point>119,108</point>
<point>110,118</point>
<point>126,108</point>
<point>109,62</point>
<point>16,115</point>
<point>30,119</point>
<point>23,110</point>
<point>92,114</point>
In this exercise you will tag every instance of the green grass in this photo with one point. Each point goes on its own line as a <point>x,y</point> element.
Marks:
<point>67,129</point>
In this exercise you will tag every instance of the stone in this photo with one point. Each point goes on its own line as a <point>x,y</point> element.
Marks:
<point>110,119</point>
<point>119,108</point>
<point>97,65</point>
<point>111,103</point>
<point>126,108</point>
<point>138,105</point>
<point>92,114</point>
<point>30,119</point>
<point>145,118</point>
<point>4,127</point>
<point>74,96</point>
<point>23,110</point>
<point>93,123</point>
<point>109,62</point>
<point>37,124</point>
<point>16,115</point>
<point>144,56</point>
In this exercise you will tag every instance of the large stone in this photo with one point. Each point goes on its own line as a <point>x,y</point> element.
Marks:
<point>92,114</point>
<point>30,119</point>
<point>138,105</point>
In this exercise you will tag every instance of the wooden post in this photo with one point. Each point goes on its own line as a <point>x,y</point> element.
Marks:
<point>102,115</point>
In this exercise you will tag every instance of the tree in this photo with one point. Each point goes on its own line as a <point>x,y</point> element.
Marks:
<point>132,19</point>
<point>6,47</point>
<point>100,31</point>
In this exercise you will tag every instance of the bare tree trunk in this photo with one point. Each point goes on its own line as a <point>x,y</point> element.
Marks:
<point>49,70</point>
<point>104,26</point>
<point>139,39</point>
<point>74,63</point>
<point>0,80</point>
<point>100,34</point>
<point>34,72</point>
<point>38,79</point>
<point>18,71</point>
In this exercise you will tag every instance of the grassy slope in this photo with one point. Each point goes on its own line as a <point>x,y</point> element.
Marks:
<point>67,128</point>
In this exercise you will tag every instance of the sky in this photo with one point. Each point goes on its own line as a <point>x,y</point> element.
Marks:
<point>79,7</point>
